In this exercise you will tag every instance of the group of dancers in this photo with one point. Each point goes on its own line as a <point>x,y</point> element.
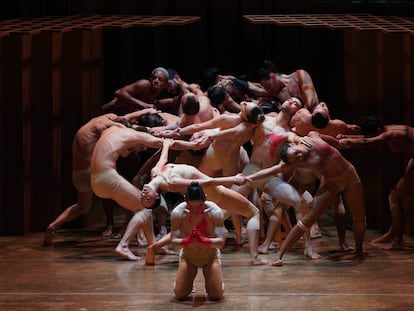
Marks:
<point>229,148</point>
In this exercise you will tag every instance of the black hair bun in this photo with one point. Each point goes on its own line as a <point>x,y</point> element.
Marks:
<point>195,192</point>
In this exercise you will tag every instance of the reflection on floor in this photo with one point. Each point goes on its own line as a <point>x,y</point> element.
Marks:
<point>81,271</point>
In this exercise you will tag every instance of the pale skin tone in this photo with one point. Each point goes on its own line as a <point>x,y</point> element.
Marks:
<point>205,113</point>
<point>265,154</point>
<point>301,123</point>
<point>233,98</point>
<point>171,121</point>
<point>326,161</point>
<point>113,143</point>
<point>116,142</point>
<point>231,103</point>
<point>400,138</point>
<point>177,177</point>
<point>224,155</point>
<point>226,151</point>
<point>82,147</point>
<point>209,219</point>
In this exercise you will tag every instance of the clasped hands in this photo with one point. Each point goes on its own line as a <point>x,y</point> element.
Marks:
<point>195,236</point>
<point>241,179</point>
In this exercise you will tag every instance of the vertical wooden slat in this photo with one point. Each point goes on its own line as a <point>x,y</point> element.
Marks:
<point>72,100</point>
<point>45,134</point>
<point>362,67</point>
<point>2,138</point>
<point>17,96</point>
<point>408,85</point>
<point>96,78</point>
<point>56,37</point>
<point>350,71</point>
<point>394,102</point>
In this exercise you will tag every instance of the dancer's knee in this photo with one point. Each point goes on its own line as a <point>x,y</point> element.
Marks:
<point>302,226</point>
<point>394,199</point>
<point>253,223</point>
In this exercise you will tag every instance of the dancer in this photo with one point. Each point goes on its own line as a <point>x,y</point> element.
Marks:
<point>400,138</point>
<point>177,177</point>
<point>197,228</point>
<point>107,183</point>
<point>338,175</point>
<point>82,147</point>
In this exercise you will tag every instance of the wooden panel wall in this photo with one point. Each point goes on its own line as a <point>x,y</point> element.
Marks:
<point>51,78</point>
<point>17,91</point>
<point>378,79</point>
<point>47,85</point>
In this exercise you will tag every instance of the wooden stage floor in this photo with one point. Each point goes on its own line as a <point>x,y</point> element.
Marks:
<point>81,271</point>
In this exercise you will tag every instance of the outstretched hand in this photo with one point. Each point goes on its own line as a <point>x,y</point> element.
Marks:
<point>201,143</point>
<point>240,179</point>
<point>175,134</point>
<point>344,143</point>
<point>167,142</point>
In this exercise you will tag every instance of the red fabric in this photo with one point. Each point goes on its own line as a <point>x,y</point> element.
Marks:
<point>276,141</point>
<point>195,236</point>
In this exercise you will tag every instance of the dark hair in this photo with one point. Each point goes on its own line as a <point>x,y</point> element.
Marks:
<point>263,74</point>
<point>140,128</point>
<point>300,100</point>
<point>267,67</point>
<point>269,107</point>
<point>256,115</point>
<point>319,120</point>
<point>150,120</point>
<point>370,125</point>
<point>208,76</point>
<point>240,86</point>
<point>217,95</point>
<point>175,87</point>
<point>283,152</point>
<point>195,192</point>
<point>123,121</point>
<point>191,105</point>
<point>172,73</point>
<point>270,65</point>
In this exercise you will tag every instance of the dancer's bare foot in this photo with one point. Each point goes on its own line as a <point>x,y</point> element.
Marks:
<point>273,245</point>
<point>386,238</point>
<point>315,232</point>
<point>124,251</point>
<point>394,246</point>
<point>258,262</point>
<point>107,231</point>
<point>48,237</point>
<point>263,249</point>
<point>311,255</point>
<point>345,248</point>
<point>118,235</point>
<point>150,257</point>
<point>277,262</point>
